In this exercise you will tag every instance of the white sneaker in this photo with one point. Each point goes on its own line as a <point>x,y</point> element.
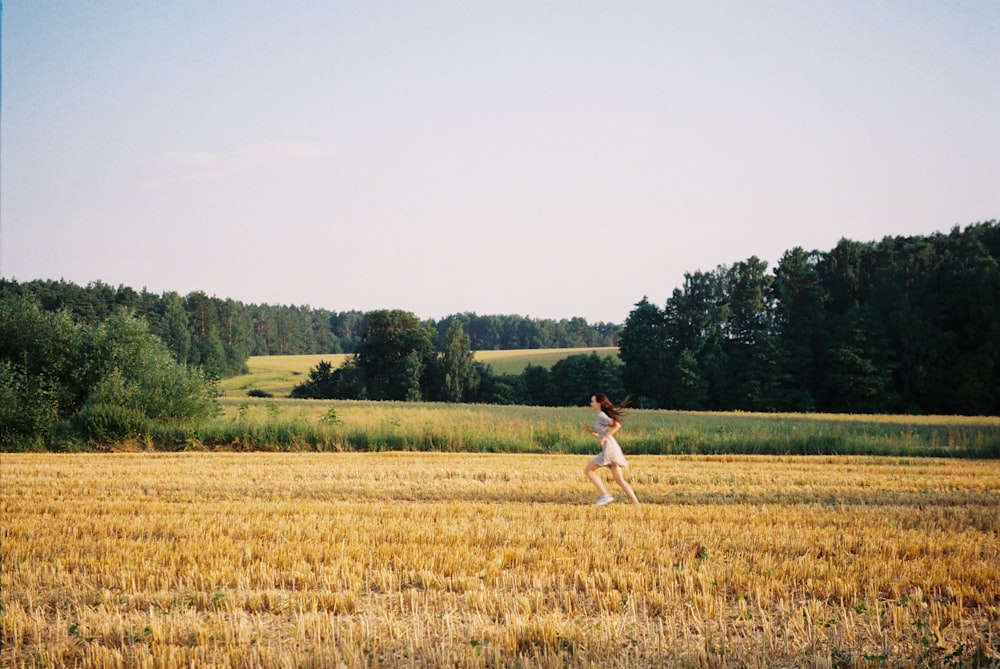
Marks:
<point>604,499</point>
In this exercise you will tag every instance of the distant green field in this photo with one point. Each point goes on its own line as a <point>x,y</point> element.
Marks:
<point>514,362</point>
<point>278,374</point>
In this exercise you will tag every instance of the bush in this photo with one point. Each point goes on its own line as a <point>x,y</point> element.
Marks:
<point>109,424</point>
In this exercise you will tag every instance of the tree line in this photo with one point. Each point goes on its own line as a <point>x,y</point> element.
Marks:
<point>903,325</point>
<point>218,335</point>
<point>400,358</point>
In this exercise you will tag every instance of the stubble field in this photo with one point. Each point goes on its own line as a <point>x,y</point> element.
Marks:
<point>492,560</point>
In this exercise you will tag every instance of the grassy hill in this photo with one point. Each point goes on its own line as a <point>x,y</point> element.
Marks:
<point>278,374</point>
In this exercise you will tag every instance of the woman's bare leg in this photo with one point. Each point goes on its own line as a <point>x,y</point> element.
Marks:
<point>591,472</point>
<point>616,471</point>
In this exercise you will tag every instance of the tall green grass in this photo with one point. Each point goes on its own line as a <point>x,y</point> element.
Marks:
<point>394,426</point>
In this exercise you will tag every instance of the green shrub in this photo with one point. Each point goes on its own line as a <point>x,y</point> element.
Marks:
<point>111,424</point>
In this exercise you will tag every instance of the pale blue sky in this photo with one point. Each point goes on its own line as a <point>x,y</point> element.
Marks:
<point>549,159</point>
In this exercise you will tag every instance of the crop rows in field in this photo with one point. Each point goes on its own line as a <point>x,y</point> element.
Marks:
<point>412,559</point>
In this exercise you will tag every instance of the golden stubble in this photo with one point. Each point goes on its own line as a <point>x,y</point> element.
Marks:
<point>403,559</point>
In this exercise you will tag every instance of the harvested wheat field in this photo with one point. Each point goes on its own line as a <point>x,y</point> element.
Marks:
<point>431,560</point>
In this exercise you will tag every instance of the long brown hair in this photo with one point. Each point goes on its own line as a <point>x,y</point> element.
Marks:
<point>613,411</point>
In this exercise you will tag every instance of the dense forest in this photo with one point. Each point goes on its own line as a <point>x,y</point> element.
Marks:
<point>904,325</point>
<point>218,335</point>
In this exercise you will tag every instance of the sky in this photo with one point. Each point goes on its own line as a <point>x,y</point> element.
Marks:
<point>551,159</point>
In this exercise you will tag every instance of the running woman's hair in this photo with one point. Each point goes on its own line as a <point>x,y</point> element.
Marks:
<point>613,411</point>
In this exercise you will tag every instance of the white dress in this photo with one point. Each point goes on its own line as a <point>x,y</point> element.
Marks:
<point>611,452</point>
